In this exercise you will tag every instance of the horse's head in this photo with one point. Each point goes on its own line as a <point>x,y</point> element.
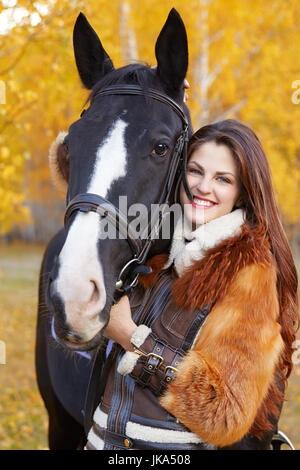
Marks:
<point>121,146</point>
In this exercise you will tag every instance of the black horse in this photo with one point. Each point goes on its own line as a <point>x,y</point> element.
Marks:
<point>123,144</point>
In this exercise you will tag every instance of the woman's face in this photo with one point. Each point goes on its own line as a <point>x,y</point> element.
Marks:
<point>212,177</point>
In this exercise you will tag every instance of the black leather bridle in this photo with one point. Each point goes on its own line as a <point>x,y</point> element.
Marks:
<point>92,202</point>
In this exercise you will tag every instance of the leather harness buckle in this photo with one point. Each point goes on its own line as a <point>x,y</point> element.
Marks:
<point>155,357</point>
<point>150,355</point>
<point>167,370</point>
<point>171,368</point>
<point>169,373</point>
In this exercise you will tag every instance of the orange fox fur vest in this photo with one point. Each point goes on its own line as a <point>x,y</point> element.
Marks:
<point>225,386</point>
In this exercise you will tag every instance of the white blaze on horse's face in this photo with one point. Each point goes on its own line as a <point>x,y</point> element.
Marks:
<point>80,281</point>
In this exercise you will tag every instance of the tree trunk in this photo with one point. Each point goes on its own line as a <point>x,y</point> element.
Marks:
<point>129,51</point>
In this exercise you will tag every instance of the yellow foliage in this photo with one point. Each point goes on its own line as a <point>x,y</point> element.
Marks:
<point>242,63</point>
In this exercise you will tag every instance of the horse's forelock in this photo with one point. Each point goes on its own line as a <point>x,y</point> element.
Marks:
<point>140,74</point>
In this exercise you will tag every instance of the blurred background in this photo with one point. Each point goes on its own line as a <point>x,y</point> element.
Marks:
<point>243,63</point>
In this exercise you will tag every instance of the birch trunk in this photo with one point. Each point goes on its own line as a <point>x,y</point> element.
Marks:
<point>201,68</point>
<point>129,50</point>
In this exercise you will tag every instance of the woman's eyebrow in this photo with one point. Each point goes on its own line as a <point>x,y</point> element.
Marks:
<point>224,173</point>
<point>217,172</point>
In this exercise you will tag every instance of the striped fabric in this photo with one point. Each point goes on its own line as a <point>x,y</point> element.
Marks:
<point>117,424</point>
<point>139,431</point>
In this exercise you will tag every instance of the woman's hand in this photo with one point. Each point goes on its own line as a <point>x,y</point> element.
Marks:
<point>120,327</point>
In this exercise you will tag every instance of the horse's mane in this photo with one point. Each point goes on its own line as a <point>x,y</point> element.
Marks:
<point>134,74</point>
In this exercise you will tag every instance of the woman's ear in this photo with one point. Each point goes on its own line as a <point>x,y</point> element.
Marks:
<point>59,162</point>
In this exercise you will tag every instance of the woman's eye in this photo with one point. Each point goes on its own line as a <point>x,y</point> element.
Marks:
<point>223,180</point>
<point>194,171</point>
<point>160,150</point>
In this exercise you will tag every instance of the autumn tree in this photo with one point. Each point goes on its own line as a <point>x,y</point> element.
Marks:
<point>243,60</point>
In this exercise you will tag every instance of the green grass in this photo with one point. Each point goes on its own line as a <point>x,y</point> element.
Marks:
<point>23,419</point>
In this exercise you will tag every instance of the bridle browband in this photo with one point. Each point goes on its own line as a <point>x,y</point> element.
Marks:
<point>92,202</point>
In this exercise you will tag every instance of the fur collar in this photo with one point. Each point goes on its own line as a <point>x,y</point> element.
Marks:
<point>55,164</point>
<point>190,246</point>
<point>208,279</point>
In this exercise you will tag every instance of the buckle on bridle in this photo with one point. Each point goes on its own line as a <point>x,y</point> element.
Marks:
<point>120,282</point>
<point>139,269</point>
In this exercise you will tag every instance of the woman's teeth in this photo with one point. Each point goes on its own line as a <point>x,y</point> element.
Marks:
<point>200,202</point>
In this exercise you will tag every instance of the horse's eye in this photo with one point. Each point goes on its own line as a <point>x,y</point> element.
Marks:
<point>160,150</point>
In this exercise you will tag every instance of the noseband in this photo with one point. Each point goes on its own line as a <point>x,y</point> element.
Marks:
<point>92,202</point>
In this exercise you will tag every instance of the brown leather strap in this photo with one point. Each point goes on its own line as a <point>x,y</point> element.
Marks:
<point>157,364</point>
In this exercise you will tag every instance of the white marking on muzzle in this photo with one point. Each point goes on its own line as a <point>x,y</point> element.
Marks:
<point>80,269</point>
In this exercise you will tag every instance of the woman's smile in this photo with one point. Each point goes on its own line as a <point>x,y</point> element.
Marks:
<point>202,202</point>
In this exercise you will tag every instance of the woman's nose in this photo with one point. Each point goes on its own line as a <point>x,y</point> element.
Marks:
<point>204,186</point>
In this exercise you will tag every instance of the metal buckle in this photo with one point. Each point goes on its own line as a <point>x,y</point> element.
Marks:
<point>153,355</point>
<point>280,438</point>
<point>173,369</point>
<point>138,352</point>
<point>160,366</point>
<point>119,283</point>
<point>168,378</point>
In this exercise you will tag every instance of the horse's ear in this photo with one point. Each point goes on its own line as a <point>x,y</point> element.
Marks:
<point>59,162</point>
<point>91,59</point>
<point>171,52</point>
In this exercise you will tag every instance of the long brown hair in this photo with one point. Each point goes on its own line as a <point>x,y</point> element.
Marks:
<point>258,200</point>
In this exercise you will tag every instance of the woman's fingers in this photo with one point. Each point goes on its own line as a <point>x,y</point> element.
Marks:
<point>186,85</point>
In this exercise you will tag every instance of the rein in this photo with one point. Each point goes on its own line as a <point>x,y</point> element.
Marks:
<point>87,202</point>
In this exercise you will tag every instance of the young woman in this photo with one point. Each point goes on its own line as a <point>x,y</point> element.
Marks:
<point>203,350</point>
